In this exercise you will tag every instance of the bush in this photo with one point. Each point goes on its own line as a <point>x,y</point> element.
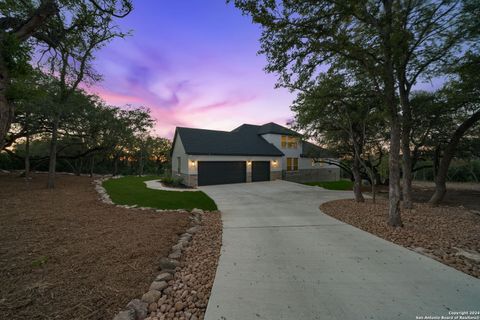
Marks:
<point>173,182</point>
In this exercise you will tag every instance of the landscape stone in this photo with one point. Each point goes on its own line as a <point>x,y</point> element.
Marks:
<point>168,264</point>
<point>171,271</point>
<point>158,285</point>
<point>193,230</point>
<point>151,296</point>
<point>139,307</point>
<point>175,255</point>
<point>164,276</point>
<point>125,315</point>
<point>178,246</point>
<point>186,236</point>
<point>179,306</point>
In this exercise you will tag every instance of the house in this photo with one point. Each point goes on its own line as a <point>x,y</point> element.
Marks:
<point>248,153</point>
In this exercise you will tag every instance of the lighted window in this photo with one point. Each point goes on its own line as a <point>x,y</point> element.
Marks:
<point>292,143</point>
<point>292,164</point>
<point>284,142</point>
<point>289,142</point>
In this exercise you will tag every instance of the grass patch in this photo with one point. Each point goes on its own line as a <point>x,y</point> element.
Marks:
<point>132,191</point>
<point>333,185</point>
<point>39,262</point>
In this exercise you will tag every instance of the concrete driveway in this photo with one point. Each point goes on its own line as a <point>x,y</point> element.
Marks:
<point>284,259</point>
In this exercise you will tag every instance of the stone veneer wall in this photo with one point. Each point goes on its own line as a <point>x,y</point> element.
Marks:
<point>275,175</point>
<point>190,180</point>
<point>312,175</point>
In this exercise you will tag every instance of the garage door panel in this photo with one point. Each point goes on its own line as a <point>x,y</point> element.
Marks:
<point>260,171</point>
<point>221,172</point>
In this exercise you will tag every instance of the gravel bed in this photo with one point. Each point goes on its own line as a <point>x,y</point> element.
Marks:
<point>450,235</point>
<point>188,292</point>
<point>182,288</point>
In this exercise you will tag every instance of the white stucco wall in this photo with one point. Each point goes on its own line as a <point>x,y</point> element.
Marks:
<point>276,140</point>
<point>179,151</point>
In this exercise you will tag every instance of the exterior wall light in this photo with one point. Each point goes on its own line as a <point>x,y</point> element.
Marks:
<point>249,162</point>
<point>193,162</point>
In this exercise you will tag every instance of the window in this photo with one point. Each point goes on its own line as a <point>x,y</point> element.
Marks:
<point>289,142</point>
<point>318,163</point>
<point>292,164</point>
<point>179,164</point>
<point>284,142</point>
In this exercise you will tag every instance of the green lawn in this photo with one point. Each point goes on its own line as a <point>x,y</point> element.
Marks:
<point>132,191</point>
<point>333,185</point>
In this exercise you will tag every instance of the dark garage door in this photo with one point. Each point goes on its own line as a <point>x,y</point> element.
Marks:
<point>260,171</point>
<point>221,172</point>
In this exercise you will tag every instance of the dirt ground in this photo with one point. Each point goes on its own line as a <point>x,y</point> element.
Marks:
<point>66,255</point>
<point>450,235</point>
<point>463,194</point>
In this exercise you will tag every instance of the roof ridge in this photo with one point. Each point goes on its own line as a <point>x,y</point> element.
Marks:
<point>200,129</point>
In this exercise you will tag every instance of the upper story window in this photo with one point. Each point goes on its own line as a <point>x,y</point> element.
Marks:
<point>289,142</point>
<point>179,164</point>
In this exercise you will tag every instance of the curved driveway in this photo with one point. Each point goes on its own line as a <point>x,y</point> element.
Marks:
<point>284,259</point>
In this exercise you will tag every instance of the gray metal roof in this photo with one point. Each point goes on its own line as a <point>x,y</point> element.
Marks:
<point>244,140</point>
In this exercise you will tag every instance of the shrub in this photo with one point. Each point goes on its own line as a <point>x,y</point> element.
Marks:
<point>173,182</point>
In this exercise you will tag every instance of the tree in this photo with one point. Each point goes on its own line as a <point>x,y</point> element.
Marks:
<point>430,37</point>
<point>391,41</point>
<point>462,98</point>
<point>21,21</point>
<point>341,110</point>
<point>301,38</point>
<point>71,59</point>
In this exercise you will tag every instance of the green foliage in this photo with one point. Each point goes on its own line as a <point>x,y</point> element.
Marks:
<point>333,185</point>
<point>132,191</point>
<point>40,262</point>
<point>459,171</point>
<point>173,182</point>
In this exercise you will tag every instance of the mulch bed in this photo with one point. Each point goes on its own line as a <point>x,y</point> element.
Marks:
<point>450,235</point>
<point>66,255</point>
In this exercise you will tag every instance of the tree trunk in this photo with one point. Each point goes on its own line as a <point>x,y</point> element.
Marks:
<point>27,156</point>
<point>53,154</point>
<point>448,154</point>
<point>140,165</point>
<point>115,166</point>
<point>406,152</point>
<point>6,109</point>
<point>357,181</point>
<point>23,32</point>
<point>394,218</point>
<point>92,165</point>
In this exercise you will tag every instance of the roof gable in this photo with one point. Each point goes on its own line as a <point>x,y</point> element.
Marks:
<point>274,128</point>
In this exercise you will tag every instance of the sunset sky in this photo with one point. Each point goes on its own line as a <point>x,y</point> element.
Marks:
<point>193,63</point>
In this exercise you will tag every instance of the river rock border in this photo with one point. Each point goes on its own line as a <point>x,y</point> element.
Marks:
<point>138,309</point>
<point>165,284</point>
